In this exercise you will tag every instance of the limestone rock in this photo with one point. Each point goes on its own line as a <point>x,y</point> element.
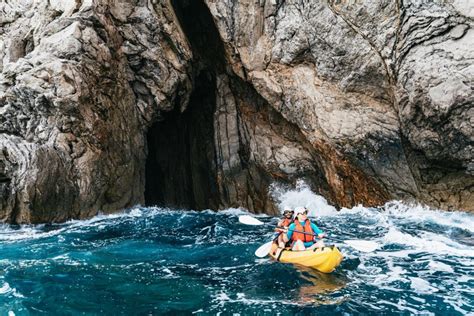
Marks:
<point>80,83</point>
<point>386,86</point>
<point>204,104</point>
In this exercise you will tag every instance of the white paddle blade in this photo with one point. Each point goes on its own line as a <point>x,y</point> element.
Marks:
<point>264,249</point>
<point>362,245</point>
<point>249,220</point>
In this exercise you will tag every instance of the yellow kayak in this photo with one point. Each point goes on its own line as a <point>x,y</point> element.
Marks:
<point>324,259</point>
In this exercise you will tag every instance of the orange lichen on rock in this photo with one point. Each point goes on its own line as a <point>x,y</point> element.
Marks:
<point>349,185</point>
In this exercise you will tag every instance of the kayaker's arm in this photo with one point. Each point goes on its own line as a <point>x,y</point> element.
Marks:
<point>316,229</point>
<point>280,228</point>
<point>291,228</point>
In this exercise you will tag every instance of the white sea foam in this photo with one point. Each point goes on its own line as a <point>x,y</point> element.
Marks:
<point>26,232</point>
<point>302,195</point>
<point>401,305</point>
<point>101,221</point>
<point>237,212</point>
<point>66,260</point>
<point>5,288</point>
<point>402,212</point>
<point>169,274</point>
<point>420,213</point>
<point>439,266</point>
<point>396,254</point>
<point>359,210</point>
<point>422,286</point>
<point>428,242</point>
<point>222,298</point>
<point>394,273</point>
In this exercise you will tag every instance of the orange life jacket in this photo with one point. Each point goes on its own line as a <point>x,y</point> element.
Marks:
<point>286,222</point>
<point>307,229</point>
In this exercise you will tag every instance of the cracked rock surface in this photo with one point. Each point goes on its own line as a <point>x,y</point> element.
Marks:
<point>367,101</point>
<point>384,87</point>
<point>80,82</point>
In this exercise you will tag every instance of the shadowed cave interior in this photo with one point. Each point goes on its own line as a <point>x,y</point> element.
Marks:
<point>180,167</point>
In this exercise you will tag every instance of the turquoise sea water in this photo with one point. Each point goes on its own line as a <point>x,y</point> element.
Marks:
<point>159,261</point>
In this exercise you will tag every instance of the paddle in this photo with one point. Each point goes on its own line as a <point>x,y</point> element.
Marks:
<point>249,220</point>
<point>264,249</point>
<point>357,244</point>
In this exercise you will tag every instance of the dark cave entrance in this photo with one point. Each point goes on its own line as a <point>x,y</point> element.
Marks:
<point>180,167</point>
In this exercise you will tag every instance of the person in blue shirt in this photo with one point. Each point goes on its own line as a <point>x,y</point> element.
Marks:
<point>302,224</point>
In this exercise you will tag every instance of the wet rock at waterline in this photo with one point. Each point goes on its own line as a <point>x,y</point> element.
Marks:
<point>204,104</point>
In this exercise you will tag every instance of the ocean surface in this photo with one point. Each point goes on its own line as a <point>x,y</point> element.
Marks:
<point>166,261</point>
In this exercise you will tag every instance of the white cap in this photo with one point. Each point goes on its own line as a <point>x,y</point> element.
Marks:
<point>287,208</point>
<point>299,209</point>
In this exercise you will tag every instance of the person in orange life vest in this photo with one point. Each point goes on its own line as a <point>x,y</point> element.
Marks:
<point>286,220</point>
<point>283,225</point>
<point>303,224</point>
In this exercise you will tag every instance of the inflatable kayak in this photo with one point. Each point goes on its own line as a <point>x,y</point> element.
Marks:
<point>324,259</point>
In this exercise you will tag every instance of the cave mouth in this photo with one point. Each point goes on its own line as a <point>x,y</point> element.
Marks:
<point>180,169</point>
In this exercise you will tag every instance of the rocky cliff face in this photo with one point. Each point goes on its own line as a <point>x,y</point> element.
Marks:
<point>204,104</point>
<point>81,81</point>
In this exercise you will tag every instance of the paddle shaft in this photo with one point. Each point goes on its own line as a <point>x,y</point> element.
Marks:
<point>299,231</point>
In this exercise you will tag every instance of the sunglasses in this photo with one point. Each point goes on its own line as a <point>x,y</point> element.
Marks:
<point>304,213</point>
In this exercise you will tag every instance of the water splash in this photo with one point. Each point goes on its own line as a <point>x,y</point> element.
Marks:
<point>302,195</point>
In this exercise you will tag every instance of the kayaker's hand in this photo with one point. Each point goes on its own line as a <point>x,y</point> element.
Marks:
<point>322,235</point>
